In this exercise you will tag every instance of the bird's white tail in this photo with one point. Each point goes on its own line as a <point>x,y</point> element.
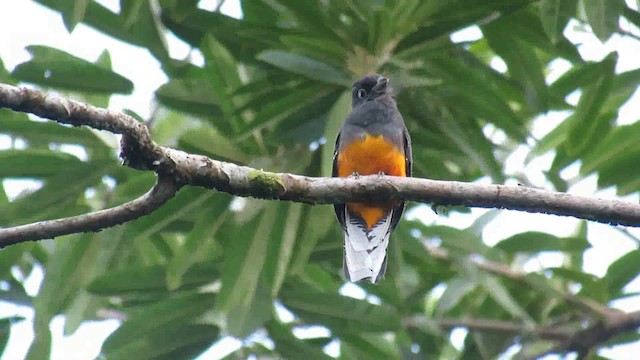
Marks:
<point>365,250</point>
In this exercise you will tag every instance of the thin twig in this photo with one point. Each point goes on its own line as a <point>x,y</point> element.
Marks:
<point>495,326</point>
<point>585,341</point>
<point>164,190</point>
<point>219,5</point>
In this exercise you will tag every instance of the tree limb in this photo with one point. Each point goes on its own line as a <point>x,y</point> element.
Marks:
<point>582,341</point>
<point>607,322</point>
<point>140,152</point>
<point>587,306</point>
<point>164,190</point>
<point>494,326</point>
<point>585,341</point>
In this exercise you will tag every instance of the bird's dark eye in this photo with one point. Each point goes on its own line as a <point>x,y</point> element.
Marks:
<point>361,93</point>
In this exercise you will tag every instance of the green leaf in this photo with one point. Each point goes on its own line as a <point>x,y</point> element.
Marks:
<point>290,346</point>
<point>55,68</point>
<point>10,256</point>
<point>287,243</point>
<point>555,15</point>
<point>461,241</point>
<point>210,142</point>
<point>41,346</point>
<point>603,16</point>
<point>310,15</point>
<point>369,346</point>
<point>587,124</point>
<point>535,242</point>
<point>141,279</point>
<point>579,75</point>
<point>621,272</point>
<point>19,125</point>
<point>181,206</point>
<point>338,312</point>
<point>623,87</point>
<point>465,132</point>
<point>317,223</point>
<point>222,72</point>
<point>204,229</point>
<point>192,95</point>
<point>5,330</point>
<point>57,197</point>
<point>620,141</point>
<point>337,116</point>
<point>621,171</point>
<point>144,31</point>
<point>305,66</point>
<point>282,107</point>
<point>316,47</point>
<point>543,286</point>
<point>496,290</point>
<point>35,163</point>
<point>245,318</point>
<point>83,306</point>
<point>592,287</point>
<point>73,13</point>
<point>499,293</point>
<point>244,263</point>
<point>165,314</point>
<point>167,343</point>
<point>457,289</point>
<point>523,63</point>
<point>460,79</point>
<point>554,139</point>
<point>61,281</point>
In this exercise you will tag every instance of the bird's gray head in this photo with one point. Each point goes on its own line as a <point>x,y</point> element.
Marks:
<point>368,88</point>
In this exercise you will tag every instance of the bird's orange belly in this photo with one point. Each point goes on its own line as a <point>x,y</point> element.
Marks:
<point>367,156</point>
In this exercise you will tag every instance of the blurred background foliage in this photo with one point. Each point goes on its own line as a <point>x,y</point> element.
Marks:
<point>271,92</point>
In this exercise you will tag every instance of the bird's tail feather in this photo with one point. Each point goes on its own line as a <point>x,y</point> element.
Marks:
<point>365,250</point>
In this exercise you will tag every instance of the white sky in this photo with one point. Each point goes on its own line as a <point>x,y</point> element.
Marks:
<point>608,244</point>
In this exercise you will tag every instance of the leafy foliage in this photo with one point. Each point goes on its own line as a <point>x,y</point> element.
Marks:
<point>275,84</point>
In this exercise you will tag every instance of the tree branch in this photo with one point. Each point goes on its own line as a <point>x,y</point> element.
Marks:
<point>140,152</point>
<point>582,341</point>
<point>164,190</point>
<point>607,322</point>
<point>495,326</point>
<point>585,341</point>
<point>587,306</point>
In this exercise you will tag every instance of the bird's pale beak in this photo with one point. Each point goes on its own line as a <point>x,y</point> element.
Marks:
<point>381,84</point>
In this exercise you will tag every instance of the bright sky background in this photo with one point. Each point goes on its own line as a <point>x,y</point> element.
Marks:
<point>19,16</point>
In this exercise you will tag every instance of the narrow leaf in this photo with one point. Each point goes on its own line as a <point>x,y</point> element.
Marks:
<point>621,272</point>
<point>302,65</point>
<point>204,229</point>
<point>555,15</point>
<point>337,311</point>
<point>587,125</point>
<point>56,68</point>
<point>149,279</point>
<point>244,262</point>
<point>603,16</point>
<point>73,13</point>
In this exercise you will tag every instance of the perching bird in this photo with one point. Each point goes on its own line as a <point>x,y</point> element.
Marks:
<point>373,140</point>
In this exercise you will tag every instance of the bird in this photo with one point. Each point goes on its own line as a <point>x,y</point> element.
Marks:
<point>372,140</point>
